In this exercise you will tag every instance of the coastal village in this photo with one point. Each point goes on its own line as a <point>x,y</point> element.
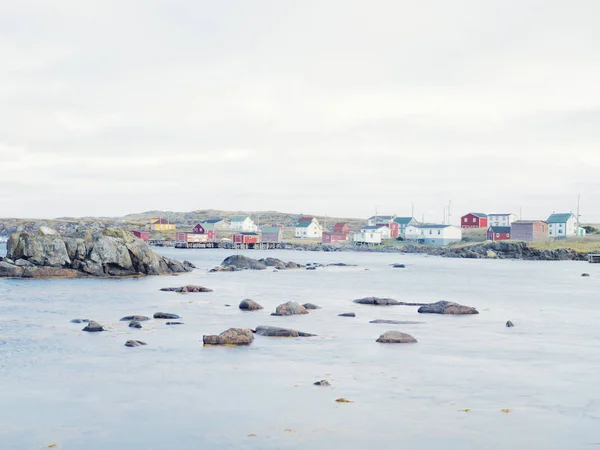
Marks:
<point>242,231</point>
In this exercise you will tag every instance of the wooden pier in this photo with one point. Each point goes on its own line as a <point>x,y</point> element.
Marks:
<point>594,258</point>
<point>231,245</point>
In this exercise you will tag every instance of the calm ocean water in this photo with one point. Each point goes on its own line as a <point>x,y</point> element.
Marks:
<point>87,391</point>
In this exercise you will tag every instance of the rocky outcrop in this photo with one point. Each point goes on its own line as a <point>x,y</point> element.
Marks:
<point>133,343</point>
<point>311,306</point>
<point>240,262</point>
<point>395,322</point>
<point>134,318</point>
<point>289,309</point>
<point>188,288</point>
<point>108,253</point>
<point>350,314</point>
<point>93,326</point>
<point>385,302</point>
<point>135,324</point>
<point>249,305</point>
<point>444,307</point>
<point>232,336</point>
<point>280,332</point>
<point>396,337</point>
<point>163,315</point>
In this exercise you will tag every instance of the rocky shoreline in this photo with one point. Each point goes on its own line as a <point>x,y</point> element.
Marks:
<point>485,250</point>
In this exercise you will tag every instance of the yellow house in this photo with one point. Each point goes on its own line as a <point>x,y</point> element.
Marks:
<point>160,225</point>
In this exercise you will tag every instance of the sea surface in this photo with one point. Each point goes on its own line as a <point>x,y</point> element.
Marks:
<point>469,383</point>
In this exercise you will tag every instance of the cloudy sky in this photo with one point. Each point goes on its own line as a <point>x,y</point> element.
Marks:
<point>329,106</point>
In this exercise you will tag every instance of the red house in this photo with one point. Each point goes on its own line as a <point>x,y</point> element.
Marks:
<point>330,237</point>
<point>143,235</point>
<point>341,227</point>
<point>246,238</point>
<point>393,226</point>
<point>498,233</point>
<point>474,220</point>
<point>199,229</point>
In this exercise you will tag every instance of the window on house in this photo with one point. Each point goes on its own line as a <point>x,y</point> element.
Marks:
<point>497,235</point>
<point>474,220</point>
<point>508,235</point>
<point>429,231</point>
<point>466,220</point>
<point>439,232</point>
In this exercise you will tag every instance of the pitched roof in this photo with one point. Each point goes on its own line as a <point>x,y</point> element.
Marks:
<point>303,224</point>
<point>269,229</point>
<point>306,219</point>
<point>404,220</point>
<point>247,233</point>
<point>434,225</point>
<point>524,222</point>
<point>340,224</point>
<point>239,218</point>
<point>217,220</point>
<point>500,214</point>
<point>500,229</point>
<point>483,215</point>
<point>160,221</point>
<point>334,233</point>
<point>381,217</point>
<point>560,217</point>
<point>373,227</point>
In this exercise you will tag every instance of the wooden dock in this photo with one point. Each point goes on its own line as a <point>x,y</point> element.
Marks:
<point>231,245</point>
<point>594,258</point>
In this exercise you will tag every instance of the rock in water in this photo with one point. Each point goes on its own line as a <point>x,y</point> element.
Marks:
<point>311,306</point>
<point>322,383</point>
<point>585,274</point>
<point>311,268</point>
<point>249,305</point>
<point>133,343</point>
<point>162,315</point>
<point>509,324</point>
<point>174,323</point>
<point>243,262</point>
<point>398,266</point>
<point>385,302</point>
<point>445,307</point>
<point>395,322</point>
<point>289,308</point>
<point>280,332</point>
<point>134,318</point>
<point>347,315</point>
<point>106,253</point>
<point>93,326</point>
<point>396,337</point>
<point>80,321</point>
<point>135,324</point>
<point>188,288</point>
<point>232,336</point>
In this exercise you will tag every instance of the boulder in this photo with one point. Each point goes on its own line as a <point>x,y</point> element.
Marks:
<point>93,326</point>
<point>135,324</point>
<point>289,308</point>
<point>189,288</point>
<point>585,274</point>
<point>249,305</point>
<point>311,268</point>
<point>395,322</point>
<point>133,343</point>
<point>350,314</point>
<point>232,336</point>
<point>311,306</point>
<point>106,253</point>
<point>134,318</point>
<point>396,337</point>
<point>509,324</point>
<point>80,320</point>
<point>162,315</point>
<point>398,266</point>
<point>174,323</point>
<point>341,265</point>
<point>280,332</point>
<point>243,262</point>
<point>385,302</point>
<point>322,383</point>
<point>444,307</point>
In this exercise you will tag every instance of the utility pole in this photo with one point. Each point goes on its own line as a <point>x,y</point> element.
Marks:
<point>444,219</point>
<point>449,205</point>
<point>412,214</point>
<point>577,231</point>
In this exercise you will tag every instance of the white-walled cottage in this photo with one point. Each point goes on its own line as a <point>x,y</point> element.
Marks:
<point>367,238</point>
<point>243,223</point>
<point>562,225</point>
<point>308,228</point>
<point>433,234</point>
<point>382,229</point>
<point>501,220</point>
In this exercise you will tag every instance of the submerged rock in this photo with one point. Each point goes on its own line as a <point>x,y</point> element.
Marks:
<point>135,324</point>
<point>111,252</point>
<point>311,268</point>
<point>444,307</point>
<point>311,306</point>
<point>134,318</point>
<point>174,323</point>
<point>280,332</point>
<point>350,314</point>
<point>341,265</point>
<point>585,274</point>
<point>289,308</point>
<point>80,320</point>
<point>509,324</point>
<point>188,288</point>
<point>133,343</point>
<point>162,315</point>
<point>232,336</point>
<point>385,302</point>
<point>243,262</point>
<point>249,305</point>
<point>93,326</point>
<point>396,337</point>
<point>398,266</point>
<point>322,383</point>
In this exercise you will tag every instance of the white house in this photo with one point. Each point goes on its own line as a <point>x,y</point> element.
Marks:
<point>383,230</point>
<point>433,234</point>
<point>308,228</point>
<point>403,223</point>
<point>562,225</point>
<point>375,220</point>
<point>243,223</point>
<point>501,220</point>
<point>367,238</point>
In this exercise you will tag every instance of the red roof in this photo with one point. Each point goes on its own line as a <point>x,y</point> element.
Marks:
<point>160,221</point>
<point>306,219</point>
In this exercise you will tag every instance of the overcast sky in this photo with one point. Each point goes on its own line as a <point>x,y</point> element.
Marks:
<point>327,107</point>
